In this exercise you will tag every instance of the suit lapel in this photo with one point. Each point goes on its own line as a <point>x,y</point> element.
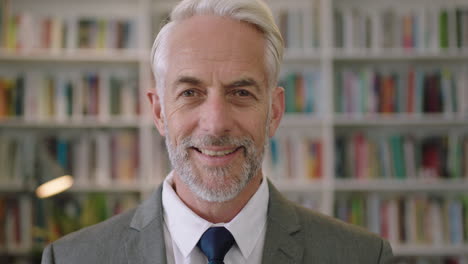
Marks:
<point>282,224</point>
<point>145,243</point>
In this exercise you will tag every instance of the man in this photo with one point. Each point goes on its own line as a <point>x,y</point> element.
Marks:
<point>216,101</point>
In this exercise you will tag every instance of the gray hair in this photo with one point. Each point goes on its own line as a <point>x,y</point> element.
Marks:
<point>254,12</point>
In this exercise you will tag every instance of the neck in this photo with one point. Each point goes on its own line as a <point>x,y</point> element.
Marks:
<point>217,212</point>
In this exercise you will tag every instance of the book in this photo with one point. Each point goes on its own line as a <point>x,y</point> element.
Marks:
<point>362,155</point>
<point>302,91</point>
<point>456,222</point>
<point>426,29</point>
<point>14,150</point>
<point>103,162</point>
<point>408,90</point>
<point>372,213</point>
<point>396,146</point>
<point>161,164</point>
<point>443,29</point>
<point>300,27</point>
<point>339,27</point>
<point>124,157</point>
<point>98,158</point>
<point>296,158</point>
<point>69,94</point>
<point>26,31</point>
<point>16,223</point>
<point>407,219</point>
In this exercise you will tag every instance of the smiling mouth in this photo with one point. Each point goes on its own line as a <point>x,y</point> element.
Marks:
<point>216,153</point>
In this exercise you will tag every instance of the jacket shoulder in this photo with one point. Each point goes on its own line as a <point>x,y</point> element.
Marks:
<point>342,241</point>
<point>330,225</point>
<point>111,228</point>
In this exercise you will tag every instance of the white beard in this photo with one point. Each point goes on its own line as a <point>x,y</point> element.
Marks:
<point>225,184</point>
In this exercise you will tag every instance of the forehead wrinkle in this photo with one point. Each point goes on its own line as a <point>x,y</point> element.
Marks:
<point>229,71</point>
<point>188,43</point>
<point>201,53</point>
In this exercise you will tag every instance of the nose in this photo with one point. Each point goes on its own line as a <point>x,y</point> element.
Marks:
<point>216,115</point>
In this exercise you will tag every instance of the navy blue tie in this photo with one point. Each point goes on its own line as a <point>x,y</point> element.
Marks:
<point>215,243</point>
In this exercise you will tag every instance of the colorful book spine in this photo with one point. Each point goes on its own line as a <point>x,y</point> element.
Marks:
<point>15,149</point>
<point>69,95</point>
<point>401,156</point>
<point>408,219</point>
<point>302,91</point>
<point>415,90</point>
<point>296,158</point>
<point>422,30</point>
<point>300,27</point>
<point>27,31</point>
<point>15,223</point>
<point>97,158</point>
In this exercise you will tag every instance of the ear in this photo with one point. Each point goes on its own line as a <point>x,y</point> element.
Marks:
<point>156,110</point>
<point>277,109</point>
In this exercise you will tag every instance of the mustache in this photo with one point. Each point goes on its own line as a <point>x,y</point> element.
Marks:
<point>218,141</point>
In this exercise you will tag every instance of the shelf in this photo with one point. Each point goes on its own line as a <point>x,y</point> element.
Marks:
<point>322,63</point>
<point>16,252</point>
<point>147,122</point>
<point>85,123</point>
<point>289,120</point>
<point>401,185</point>
<point>301,120</point>
<point>302,56</point>
<point>112,188</point>
<point>359,120</point>
<point>399,55</point>
<point>298,185</point>
<point>419,250</point>
<point>78,55</point>
<point>12,188</point>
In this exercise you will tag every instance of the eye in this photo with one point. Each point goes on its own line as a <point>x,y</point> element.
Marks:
<point>242,93</point>
<point>188,93</point>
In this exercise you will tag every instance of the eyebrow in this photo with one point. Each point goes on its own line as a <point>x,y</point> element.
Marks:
<point>244,83</point>
<point>188,80</point>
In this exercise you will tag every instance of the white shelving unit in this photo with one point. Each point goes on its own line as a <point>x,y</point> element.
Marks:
<point>325,124</point>
<point>430,251</point>
<point>403,186</point>
<point>395,120</point>
<point>74,56</point>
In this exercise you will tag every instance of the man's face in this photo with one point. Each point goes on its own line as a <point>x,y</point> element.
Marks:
<point>216,115</point>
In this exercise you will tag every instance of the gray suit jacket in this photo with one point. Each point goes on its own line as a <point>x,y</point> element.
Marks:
<point>294,235</point>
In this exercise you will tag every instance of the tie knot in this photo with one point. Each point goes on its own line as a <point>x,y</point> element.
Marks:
<point>215,243</point>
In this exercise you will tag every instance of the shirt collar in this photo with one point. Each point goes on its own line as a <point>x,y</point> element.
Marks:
<point>186,227</point>
<point>254,214</point>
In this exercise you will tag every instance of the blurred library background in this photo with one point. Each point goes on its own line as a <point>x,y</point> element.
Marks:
<point>375,131</point>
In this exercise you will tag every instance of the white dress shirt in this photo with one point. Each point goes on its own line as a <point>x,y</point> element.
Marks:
<point>183,228</point>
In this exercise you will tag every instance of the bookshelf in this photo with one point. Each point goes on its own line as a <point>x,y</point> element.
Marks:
<point>417,35</point>
<point>333,48</point>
